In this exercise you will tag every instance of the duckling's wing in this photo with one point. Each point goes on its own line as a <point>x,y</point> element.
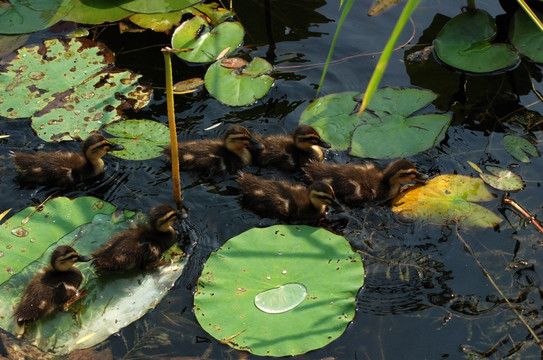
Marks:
<point>119,253</point>
<point>42,168</point>
<point>38,301</point>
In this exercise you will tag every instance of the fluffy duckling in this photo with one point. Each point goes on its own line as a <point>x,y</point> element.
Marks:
<point>62,168</point>
<point>290,153</point>
<point>284,200</point>
<point>50,288</point>
<point>139,248</point>
<point>218,156</point>
<point>356,184</point>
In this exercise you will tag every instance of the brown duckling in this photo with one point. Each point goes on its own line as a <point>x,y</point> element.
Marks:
<point>356,184</point>
<point>218,156</point>
<point>50,288</point>
<point>64,168</point>
<point>139,248</point>
<point>290,153</point>
<point>284,200</point>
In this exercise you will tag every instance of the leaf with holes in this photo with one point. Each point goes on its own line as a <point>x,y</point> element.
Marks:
<point>68,88</point>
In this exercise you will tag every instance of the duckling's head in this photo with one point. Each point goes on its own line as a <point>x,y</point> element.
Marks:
<point>322,195</point>
<point>237,139</point>
<point>64,257</point>
<point>96,146</point>
<point>402,171</point>
<point>162,217</point>
<point>306,138</point>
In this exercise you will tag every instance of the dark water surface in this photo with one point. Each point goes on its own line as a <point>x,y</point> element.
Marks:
<point>425,296</point>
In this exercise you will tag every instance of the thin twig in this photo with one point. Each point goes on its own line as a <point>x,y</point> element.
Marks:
<point>531,219</point>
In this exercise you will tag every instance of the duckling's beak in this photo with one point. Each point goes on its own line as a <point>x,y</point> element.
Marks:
<point>115,147</point>
<point>420,177</point>
<point>82,258</point>
<point>255,144</point>
<point>324,144</point>
<point>337,206</point>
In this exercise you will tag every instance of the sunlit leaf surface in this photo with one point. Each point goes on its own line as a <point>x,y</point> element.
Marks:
<point>445,199</point>
<point>142,139</point>
<point>526,36</point>
<point>113,301</point>
<point>68,88</point>
<point>465,42</point>
<point>155,6</point>
<point>385,130</point>
<point>278,291</point>
<point>502,179</point>
<point>239,86</point>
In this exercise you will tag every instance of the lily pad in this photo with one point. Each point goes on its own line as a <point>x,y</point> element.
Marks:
<point>385,131</point>
<point>519,147</point>
<point>69,88</point>
<point>158,22</point>
<point>112,302</point>
<point>155,6</point>
<point>445,199</point>
<point>526,36</point>
<point>465,43</point>
<point>293,294</point>
<point>22,16</point>
<point>239,86</point>
<point>502,179</point>
<point>142,139</point>
<point>95,12</point>
<point>205,43</point>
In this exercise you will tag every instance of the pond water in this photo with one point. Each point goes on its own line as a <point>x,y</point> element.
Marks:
<point>426,295</point>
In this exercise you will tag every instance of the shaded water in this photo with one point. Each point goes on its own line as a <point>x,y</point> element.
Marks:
<point>425,296</point>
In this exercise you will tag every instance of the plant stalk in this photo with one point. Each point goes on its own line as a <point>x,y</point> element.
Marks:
<point>173,132</point>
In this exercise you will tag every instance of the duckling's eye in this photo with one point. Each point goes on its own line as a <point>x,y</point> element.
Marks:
<point>100,146</point>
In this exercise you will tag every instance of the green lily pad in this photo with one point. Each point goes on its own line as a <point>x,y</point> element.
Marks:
<point>239,87</point>
<point>112,302</point>
<point>22,16</point>
<point>214,12</point>
<point>142,139</point>
<point>502,179</point>
<point>445,199</point>
<point>155,6</point>
<point>293,294</point>
<point>465,43</point>
<point>519,147</point>
<point>385,130</point>
<point>69,88</point>
<point>95,12</point>
<point>204,43</point>
<point>23,235</point>
<point>526,36</point>
<point>158,22</point>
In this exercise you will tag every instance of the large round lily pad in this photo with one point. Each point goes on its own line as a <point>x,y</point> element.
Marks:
<point>386,130</point>
<point>278,291</point>
<point>95,12</point>
<point>22,16</point>
<point>465,42</point>
<point>203,43</point>
<point>112,302</point>
<point>239,86</point>
<point>142,139</point>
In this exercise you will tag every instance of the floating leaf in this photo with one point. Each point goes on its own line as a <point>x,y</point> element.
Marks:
<point>293,294</point>
<point>502,179</point>
<point>447,198</point>
<point>518,147</point>
<point>526,36</point>
<point>69,88</point>
<point>385,130</point>
<point>465,42</point>
<point>95,12</point>
<point>158,22</point>
<point>188,86</point>
<point>204,42</point>
<point>112,302</point>
<point>238,88</point>
<point>155,6</point>
<point>22,16</point>
<point>474,166</point>
<point>142,139</point>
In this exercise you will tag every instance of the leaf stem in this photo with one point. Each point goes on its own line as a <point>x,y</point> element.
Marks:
<point>523,212</point>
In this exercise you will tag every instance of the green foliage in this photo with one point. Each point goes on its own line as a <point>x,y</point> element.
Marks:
<point>465,43</point>
<point>95,12</point>
<point>445,199</point>
<point>155,6</point>
<point>22,16</point>
<point>385,131</point>
<point>519,147</point>
<point>292,289</point>
<point>502,179</point>
<point>526,36</point>
<point>239,86</point>
<point>76,84</point>
<point>142,139</point>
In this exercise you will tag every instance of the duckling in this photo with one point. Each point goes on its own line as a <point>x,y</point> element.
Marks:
<point>50,288</point>
<point>218,156</point>
<point>284,200</point>
<point>62,168</point>
<point>139,248</point>
<point>290,153</point>
<point>356,184</point>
